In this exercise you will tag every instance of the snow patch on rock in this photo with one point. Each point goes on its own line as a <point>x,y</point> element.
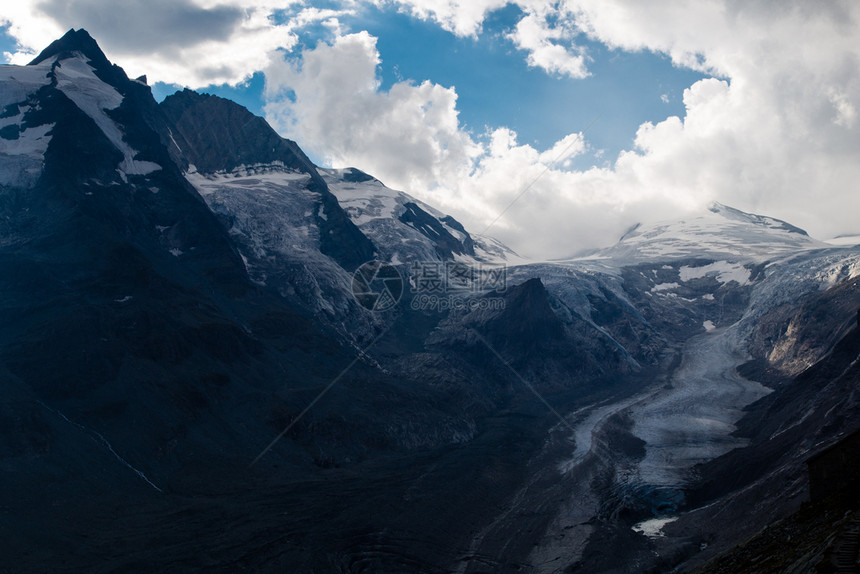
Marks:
<point>653,528</point>
<point>22,151</point>
<point>664,287</point>
<point>78,81</point>
<point>723,271</point>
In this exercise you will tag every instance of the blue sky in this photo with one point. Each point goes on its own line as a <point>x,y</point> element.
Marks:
<point>7,43</point>
<point>496,87</point>
<point>466,103</point>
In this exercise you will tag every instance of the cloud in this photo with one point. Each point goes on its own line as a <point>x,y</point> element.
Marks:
<point>544,43</point>
<point>331,102</point>
<point>540,32</point>
<point>775,131</point>
<point>170,24</point>
<point>845,112</point>
<point>461,17</point>
<point>192,43</point>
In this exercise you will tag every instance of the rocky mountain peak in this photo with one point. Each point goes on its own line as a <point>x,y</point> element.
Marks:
<point>528,312</point>
<point>80,42</point>
<point>71,42</point>
<point>216,134</point>
<point>219,135</point>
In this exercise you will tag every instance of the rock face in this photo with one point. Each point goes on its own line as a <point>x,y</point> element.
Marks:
<point>446,244</point>
<point>215,134</point>
<point>190,383</point>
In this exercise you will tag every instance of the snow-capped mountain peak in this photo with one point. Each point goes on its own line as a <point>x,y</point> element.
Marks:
<point>407,229</point>
<point>719,232</point>
<point>733,214</point>
<point>76,42</point>
<point>71,73</point>
<point>76,77</point>
<point>160,327</point>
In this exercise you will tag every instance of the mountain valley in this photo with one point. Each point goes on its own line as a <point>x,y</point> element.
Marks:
<point>217,356</point>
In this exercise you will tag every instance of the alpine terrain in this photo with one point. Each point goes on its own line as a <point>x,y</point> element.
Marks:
<point>217,356</point>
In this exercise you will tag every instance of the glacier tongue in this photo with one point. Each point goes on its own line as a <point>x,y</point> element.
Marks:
<point>693,420</point>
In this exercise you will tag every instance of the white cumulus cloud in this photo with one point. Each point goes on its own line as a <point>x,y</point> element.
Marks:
<point>774,131</point>
<point>461,17</point>
<point>547,45</point>
<point>330,101</point>
<point>193,43</point>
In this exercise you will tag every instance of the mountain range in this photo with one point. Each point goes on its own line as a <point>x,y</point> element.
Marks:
<point>215,355</point>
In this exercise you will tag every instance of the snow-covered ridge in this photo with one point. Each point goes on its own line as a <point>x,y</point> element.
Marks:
<point>78,81</point>
<point>23,147</point>
<point>271,214</point>
<point>719,233</point>
<point>245,176</point>
<point>366,201</point>
<point>377,209</point>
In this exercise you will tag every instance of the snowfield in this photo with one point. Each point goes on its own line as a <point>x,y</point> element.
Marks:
<point>721,234</point>
<point>22,151</point>
<point>724,272</point>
